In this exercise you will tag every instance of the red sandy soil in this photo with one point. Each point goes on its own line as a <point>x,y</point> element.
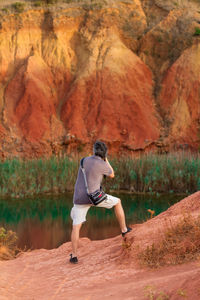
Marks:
<point>106,270</point>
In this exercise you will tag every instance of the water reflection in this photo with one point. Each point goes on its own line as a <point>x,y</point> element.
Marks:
<point>44,222</point>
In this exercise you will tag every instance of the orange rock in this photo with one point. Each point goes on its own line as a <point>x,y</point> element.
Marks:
<point>112,95</point>
<point>69,76</point>
<point>180,98</point>
<point>34,108</point>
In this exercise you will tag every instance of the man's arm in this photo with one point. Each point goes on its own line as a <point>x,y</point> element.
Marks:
<point>112,175</point>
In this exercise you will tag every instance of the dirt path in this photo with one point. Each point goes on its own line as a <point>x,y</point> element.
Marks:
<point>105,270</point>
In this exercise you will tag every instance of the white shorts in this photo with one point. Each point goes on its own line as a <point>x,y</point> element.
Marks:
<point>79,211</point>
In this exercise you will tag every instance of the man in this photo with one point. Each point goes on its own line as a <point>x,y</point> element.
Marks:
<point>96,167</point>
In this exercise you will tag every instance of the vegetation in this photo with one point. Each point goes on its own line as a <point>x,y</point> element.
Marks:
<point>37,3</point>
<point>181,243</point>
<point>93,6</point>
<point>170,173</point>
<point>197,31</point>
<point>5,10</point>
<point>173,173</point>
<point>54,175</point>
<point>18,6</point>
<point>8,246</point>
<point>152,294</point>
<point>88,5</point>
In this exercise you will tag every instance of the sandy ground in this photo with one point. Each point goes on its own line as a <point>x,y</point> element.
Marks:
<point>106,270</point>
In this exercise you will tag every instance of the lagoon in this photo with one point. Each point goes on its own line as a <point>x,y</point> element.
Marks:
<point>44,221</point>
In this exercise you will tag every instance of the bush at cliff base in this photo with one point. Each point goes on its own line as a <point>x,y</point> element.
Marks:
<point>8,244</point>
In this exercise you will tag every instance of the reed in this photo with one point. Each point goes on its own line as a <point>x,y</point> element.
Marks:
<point>53,175</point>
<point>172,173</point>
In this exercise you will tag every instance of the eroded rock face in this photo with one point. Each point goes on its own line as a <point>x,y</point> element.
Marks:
<point>180,98</point>
<point>107,99</point>
<point>116,73</point>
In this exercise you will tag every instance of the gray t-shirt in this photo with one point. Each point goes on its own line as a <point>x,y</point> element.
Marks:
<point>95,168</point>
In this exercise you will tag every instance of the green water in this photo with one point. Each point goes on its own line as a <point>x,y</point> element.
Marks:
<point>44,222</point>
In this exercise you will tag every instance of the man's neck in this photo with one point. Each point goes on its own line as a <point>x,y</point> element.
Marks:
<point>98,157</point>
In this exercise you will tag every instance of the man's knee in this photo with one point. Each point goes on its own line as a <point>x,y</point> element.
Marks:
<point>77,226</point>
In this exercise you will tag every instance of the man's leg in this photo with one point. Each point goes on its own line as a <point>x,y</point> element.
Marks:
<point>75,238</point>
<point>78,215</point>
<point>119,212</point>
<point>115,202</point>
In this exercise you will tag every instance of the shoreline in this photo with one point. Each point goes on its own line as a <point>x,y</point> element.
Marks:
<point>125,192</point>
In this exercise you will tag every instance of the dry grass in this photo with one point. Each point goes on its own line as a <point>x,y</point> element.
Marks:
<point>180,244</point>
<point>152,294</point>
<point>8,245</point>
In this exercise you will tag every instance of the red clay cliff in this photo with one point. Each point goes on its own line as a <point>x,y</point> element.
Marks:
<point>126,73</point>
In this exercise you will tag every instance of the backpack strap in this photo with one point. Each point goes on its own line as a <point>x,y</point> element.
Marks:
<point>84,175</point>
<point>82,162</point>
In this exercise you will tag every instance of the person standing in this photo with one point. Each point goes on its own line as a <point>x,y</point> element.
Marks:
<point>95,167</point>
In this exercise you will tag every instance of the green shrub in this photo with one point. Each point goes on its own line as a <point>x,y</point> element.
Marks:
<point>38,3</point>
<point>197,31</point>
<point>18,6</point>
<point>51,2</point>
<point>5,9</point>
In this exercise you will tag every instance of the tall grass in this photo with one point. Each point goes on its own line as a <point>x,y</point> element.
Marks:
<point>178,173</point>
<point>53,175</point>
<point>170,173</point>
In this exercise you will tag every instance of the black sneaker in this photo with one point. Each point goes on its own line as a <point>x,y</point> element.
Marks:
<point>73,260</point>
<point>128,230</point>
